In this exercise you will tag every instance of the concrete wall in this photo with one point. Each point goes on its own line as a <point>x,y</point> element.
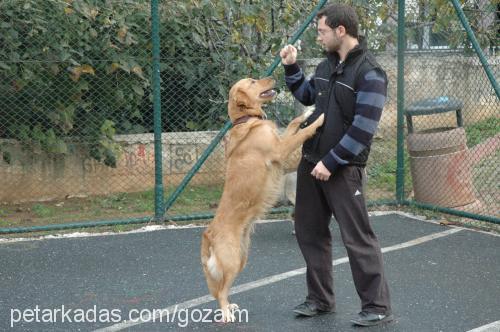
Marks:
<point>39,177</point>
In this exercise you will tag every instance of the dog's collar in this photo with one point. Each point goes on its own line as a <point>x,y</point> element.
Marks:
<point>245,118</point>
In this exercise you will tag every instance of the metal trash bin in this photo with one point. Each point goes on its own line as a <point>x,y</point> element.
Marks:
<point>439,157</point>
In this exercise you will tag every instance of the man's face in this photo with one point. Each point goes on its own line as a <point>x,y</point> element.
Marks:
<point>328,38</point>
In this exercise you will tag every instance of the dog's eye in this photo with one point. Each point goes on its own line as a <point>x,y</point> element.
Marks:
<point>253,81</point>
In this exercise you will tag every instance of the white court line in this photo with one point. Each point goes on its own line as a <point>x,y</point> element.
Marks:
<point>266,281</point>
<point>492,327</point>
<point>425,219</point>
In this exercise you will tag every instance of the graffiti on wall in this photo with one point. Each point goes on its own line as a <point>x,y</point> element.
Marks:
<point>178,159</point>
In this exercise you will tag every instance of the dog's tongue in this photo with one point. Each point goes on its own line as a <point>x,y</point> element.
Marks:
<point>268,93</point>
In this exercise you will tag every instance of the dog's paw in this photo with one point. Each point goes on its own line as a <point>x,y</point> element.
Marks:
<point>319,121</point>
<point>233,306</point>
<point>307,114</point>
<point>228,313</point>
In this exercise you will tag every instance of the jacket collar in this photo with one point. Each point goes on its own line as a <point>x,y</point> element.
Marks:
<point>352,54</point>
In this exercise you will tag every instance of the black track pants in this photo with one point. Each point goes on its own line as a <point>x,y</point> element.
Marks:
<point>342,195</point>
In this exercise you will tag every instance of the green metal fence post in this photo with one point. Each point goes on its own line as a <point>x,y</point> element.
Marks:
<point>400,171</point>
<point>155,23</point>
<point>476,46</point>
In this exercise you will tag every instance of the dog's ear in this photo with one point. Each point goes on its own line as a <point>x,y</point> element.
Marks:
<point>241,99</point>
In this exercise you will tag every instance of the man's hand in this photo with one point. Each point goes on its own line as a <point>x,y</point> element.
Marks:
<point>288,55</point>
<point>320,172</point>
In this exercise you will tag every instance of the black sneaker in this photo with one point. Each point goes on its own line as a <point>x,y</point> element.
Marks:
<point>309,309</point>
<point>370,319</point>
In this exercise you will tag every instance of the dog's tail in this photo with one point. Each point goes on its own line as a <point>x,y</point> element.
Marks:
<point>209,259</point>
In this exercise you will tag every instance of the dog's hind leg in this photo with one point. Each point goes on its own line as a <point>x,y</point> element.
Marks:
<point>221,264</point>
<point>211,268</point>
<point>231,263</point>
<point>244,245</point>
<point>223,298</point>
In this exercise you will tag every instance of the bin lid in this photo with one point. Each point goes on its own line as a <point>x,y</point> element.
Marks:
<point>440,104</point>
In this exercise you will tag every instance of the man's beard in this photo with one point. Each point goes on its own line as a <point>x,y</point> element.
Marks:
<point>332,48</point>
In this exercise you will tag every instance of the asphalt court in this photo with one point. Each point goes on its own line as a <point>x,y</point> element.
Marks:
<point>441,279</point>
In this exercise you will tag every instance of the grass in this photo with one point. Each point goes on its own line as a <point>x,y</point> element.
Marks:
<point>381,170</point>
<point>43,211</point>
<point>196,199</point>
<point>478,132</point>
<point>485,173</point>
<point>485,176</point>
<point>117,206</point>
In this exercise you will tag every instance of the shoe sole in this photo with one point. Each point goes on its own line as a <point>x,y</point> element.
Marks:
<point>387,319</point>
<point>307,314</point>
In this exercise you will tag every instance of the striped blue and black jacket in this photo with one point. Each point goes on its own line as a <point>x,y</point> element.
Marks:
<point>351,94</point>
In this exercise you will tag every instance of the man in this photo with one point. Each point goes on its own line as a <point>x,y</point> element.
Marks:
<point>349,87</point>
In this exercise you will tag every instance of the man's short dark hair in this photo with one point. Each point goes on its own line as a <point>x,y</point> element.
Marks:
<point>340,14</point>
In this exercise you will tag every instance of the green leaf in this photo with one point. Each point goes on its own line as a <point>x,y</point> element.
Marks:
<point>108,129</point>
<point>119,95</point>
<point>138,90</point>
<point>3,65</point>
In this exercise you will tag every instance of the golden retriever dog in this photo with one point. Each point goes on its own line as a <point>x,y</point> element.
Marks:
<point>255,155</point>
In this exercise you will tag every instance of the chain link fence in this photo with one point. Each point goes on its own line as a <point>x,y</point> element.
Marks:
<point>75,110</point>
<point>76,104</point>
<point>452,110</point>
